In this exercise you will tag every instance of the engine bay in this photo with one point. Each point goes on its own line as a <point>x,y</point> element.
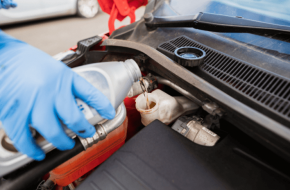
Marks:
<point>208,112</point>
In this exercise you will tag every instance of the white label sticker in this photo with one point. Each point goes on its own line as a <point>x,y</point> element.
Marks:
<point>209,131</point>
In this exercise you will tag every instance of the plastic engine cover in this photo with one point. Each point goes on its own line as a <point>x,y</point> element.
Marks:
<point>160,158</point>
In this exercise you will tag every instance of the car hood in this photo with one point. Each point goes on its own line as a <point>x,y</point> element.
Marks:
<point>270,11</point>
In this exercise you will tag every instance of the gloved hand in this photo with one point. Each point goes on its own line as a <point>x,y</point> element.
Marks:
<point>6,4</point>
<point>39,91</point>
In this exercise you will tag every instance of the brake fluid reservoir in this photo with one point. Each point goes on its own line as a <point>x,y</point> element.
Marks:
<point>113,79</point>
<point>163,107</point>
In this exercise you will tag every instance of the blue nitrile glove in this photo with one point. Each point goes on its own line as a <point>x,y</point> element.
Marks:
<point>39,91</point>
<point>6,4</point>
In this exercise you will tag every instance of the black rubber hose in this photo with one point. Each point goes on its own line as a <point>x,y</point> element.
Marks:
<point>28,175</point>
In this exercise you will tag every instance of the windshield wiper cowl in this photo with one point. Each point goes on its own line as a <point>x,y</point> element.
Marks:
<point>216,23</point>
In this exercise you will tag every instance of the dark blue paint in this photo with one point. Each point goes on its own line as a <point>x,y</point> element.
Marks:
<point>251,39</point>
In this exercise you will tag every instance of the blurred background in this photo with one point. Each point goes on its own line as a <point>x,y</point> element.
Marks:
<point>56,33</point>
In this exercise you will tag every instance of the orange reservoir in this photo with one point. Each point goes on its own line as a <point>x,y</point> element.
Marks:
<point>87,160</point>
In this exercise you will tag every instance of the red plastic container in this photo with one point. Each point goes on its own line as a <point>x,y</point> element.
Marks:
<point>134,117</point>
<point>84,162</point>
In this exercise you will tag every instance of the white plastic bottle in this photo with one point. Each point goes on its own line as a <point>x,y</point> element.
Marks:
<point>113,79</point>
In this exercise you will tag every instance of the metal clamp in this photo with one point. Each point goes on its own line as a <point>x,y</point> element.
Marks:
<point>102,130</point>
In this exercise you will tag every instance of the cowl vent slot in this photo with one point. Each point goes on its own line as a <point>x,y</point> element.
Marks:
<point>261,87</point>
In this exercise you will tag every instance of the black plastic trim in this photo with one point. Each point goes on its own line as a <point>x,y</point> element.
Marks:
<point>267,131</point>
<point>254,86</point>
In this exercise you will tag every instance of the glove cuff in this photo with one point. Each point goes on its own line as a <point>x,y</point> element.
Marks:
<point>6,39</point>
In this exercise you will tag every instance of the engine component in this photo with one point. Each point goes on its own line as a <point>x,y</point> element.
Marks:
<point>64,56</point>
<point>73,59</point>
<point>178,89</point>
<point>46,185</point>
<point>163,107</point>
<point>193,129</point>
<point>212,108</point>
<point>246,116</point>
<point>212,122</point>
<point>189,56</point>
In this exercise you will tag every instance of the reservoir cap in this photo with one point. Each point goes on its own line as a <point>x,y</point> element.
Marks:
<point>189,56</point>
